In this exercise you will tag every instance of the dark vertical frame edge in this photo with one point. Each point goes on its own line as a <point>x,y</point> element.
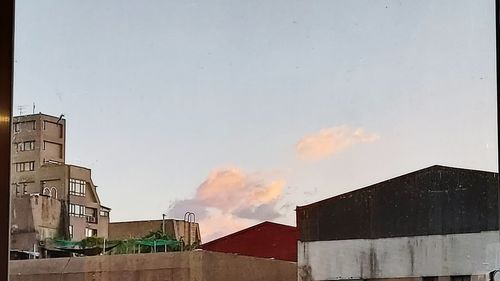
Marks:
<point>497,36</point>
<point>6,91</point>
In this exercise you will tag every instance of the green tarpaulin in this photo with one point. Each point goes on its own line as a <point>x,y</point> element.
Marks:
<point>158,242</point>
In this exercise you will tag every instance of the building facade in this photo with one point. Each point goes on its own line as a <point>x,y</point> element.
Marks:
<point>439,223</point>
<point>57,192</point>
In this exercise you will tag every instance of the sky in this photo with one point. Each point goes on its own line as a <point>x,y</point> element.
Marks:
<point>240,111</point>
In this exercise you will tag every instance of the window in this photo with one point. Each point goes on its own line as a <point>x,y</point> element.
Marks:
<point>25,166</point>
<point>104,213</point>
<point>77,187</point>
<point>89,232</point>
<point>21,188</point>
<point>27,145</point>
<point>27,125</point>
<point>76,210</point>
<point>91,215</point>
<point>70,231</point>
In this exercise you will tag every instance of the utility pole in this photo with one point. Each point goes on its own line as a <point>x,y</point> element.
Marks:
<point>163,224</point>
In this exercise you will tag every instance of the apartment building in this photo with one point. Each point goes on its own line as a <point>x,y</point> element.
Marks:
<point>43,182</point>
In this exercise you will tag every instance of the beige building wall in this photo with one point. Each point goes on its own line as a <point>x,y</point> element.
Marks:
<point>178,229</point>
<point>178,266</point>
<point>34,218</point>
<point>37,139</point>
<point>93,210</point>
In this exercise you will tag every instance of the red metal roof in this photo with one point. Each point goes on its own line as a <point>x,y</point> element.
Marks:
<point>265,240</point>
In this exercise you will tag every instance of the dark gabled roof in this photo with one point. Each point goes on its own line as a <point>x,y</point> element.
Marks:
<point>372,187</point>
<point>437,200</point>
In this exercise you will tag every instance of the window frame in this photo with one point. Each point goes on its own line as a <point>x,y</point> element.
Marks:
<point>76,210</point>
<point>22,146</point>
<point>77,187</point>
<point>103,213</point>
<point>90,231</point>
<point>27,166</point>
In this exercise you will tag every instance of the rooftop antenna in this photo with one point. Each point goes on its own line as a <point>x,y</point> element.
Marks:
<point>33,108</point>
<point>21,109</point>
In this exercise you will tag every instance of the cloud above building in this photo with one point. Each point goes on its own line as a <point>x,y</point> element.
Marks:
<point>329,141</point>
<point>231,199</point>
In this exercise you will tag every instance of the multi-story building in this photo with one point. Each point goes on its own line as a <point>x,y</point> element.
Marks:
<point>49,197</point>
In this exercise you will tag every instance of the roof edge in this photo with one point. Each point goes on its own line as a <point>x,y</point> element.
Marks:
<point>390,179</point>
<point>246,229</point>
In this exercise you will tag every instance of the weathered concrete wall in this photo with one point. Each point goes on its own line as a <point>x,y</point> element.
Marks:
<point>46,215</point>
<point>21,216</point>
<point>132,229</point>
<point>230,267</point>
<point>135,229</point>
<point>180,266</point>
<point>434,255</point>
<point>34,218</point>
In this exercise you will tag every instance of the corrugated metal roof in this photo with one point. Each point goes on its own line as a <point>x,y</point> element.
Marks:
<point>434,200</point>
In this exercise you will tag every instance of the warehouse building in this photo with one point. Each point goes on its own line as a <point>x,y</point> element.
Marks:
<point>438,223</point>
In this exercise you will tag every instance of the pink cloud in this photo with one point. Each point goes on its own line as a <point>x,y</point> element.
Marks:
<point>329,141</point>
<point>231,200</point>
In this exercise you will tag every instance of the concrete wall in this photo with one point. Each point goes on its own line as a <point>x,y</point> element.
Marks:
<point>180,266</point>
<point>230,267</point>
<point>135,229</point>
<point>34,218</point>
<point>46,216</point>
<point>434,255</point>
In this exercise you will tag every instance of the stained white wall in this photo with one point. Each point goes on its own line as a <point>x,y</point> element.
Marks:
<point>434,255</point>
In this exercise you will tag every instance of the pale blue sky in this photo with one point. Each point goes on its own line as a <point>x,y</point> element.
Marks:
<point>157,94</point>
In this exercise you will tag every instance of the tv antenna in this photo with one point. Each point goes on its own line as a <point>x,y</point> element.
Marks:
<point>21,109</point>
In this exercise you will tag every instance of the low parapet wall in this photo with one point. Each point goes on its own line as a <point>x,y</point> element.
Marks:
<point>178,266</point>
